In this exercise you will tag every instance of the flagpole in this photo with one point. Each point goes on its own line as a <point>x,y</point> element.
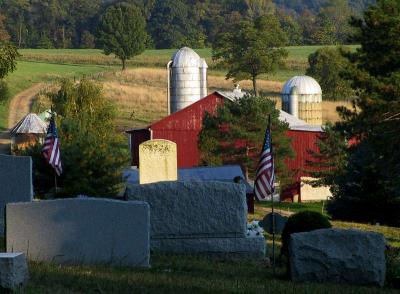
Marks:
<point>55,185</point>
<point>272,207</point>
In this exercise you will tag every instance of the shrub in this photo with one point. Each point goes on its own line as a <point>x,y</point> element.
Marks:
<point>393,267</point>
<point>304,221</point>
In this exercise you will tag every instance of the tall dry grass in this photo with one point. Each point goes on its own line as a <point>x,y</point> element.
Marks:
<point>141,94</point>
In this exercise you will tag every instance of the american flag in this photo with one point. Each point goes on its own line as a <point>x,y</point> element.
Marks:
<point>264,185</point>
<point>51,148</point>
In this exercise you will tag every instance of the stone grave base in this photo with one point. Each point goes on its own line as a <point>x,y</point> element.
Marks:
<point>226,247</point>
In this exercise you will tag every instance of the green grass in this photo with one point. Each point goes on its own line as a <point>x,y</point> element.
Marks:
<point>296,62</point>
<point>29,73</point>
<point>177,274</point>
<point>392,234</point>
<point>294,207</point>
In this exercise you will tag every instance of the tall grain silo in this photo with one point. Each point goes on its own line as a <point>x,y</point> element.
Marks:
<point>302,97</point>
<point>187,79</point>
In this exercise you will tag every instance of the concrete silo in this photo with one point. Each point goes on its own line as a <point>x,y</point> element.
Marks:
<point>187,79</point>
<point>302,97</point>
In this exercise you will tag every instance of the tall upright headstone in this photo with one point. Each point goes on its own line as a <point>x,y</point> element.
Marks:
<point>158,161</point>
<point>15,182</point>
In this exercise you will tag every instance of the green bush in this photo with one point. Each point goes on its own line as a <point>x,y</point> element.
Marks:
<point>303,221</point>
<point>393,267</point>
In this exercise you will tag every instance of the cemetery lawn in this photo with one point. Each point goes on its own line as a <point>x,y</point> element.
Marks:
<point>189,274</point>
<point>176,274</point>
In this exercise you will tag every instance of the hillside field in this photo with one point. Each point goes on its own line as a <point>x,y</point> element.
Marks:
<point>144,84</point>
<point>296,62</point>
<point>29,73</point>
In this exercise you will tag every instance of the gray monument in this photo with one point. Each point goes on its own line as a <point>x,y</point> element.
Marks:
<point>268,221</point>
<point>15,182</point>
<point>81,231</point>
<point>198,217</point>
<point>337,255</point>
<point>13,270</point>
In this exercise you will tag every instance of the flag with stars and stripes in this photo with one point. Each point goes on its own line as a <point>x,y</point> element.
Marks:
<point>51,148</point>
<point>264,184</point>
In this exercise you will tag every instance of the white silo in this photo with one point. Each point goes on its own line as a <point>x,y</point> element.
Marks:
<point>302,97</point>
<point>187,79</point>
<point>203,78</point>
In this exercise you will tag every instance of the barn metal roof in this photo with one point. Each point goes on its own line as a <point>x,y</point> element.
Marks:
<point>295,123</point>
<point>30,124</point>
<point>305,86</point>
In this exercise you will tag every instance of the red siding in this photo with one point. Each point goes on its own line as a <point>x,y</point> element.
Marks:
<point>183,128</point>
<point>302,143</point>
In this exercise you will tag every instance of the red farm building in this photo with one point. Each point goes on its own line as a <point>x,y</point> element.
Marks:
<point>183,127</point>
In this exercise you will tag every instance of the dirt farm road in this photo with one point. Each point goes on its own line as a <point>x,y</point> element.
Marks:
<point>20,106</point>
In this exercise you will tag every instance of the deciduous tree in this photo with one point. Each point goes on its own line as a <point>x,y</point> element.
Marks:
<point>122,31</point>
<point>251,48</point>
<point>93,153</point>
<point>326,65</point>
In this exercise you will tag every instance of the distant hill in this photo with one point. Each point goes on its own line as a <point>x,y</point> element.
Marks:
<point>315,5</point>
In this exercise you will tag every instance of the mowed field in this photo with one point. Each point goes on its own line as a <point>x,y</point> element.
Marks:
<point>140,92</point>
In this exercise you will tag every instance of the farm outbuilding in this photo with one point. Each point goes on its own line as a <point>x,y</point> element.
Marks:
<point>183,127</point>
<point>27,132</point>
<point>302,98</point>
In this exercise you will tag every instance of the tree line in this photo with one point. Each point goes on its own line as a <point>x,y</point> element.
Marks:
<point>173,23</point>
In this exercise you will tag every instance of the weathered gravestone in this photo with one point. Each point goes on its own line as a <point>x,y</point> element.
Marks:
<point>157,161</point>
<point>15,182</point>
<point>13,270</point>
<point>337,255</point>
<point>81,231</point>
<point>279,220</point>
<point>198,217</point>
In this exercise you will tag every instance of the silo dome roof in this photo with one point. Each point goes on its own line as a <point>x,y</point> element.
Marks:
<point>186,57</point>
<point>305,86</point>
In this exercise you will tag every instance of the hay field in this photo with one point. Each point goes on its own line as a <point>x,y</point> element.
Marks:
<point>141,94</point>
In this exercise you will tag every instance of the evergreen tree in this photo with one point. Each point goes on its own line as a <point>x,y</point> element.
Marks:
<point>234,135</point>
<point>123,32</point>
<point>368,189</point>
<point>251,48</point>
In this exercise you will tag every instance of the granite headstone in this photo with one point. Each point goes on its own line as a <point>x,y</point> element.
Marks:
<point>81,231</point>
<point>15,182</point>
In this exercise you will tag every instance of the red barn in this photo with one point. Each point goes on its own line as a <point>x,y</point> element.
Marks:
<point>183,128</point>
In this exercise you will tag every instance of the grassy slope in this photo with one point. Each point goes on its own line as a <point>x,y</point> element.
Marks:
<point>29,73</point>
<point>295,64</point>
<point>177,274</point>
<point>391,234</point>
